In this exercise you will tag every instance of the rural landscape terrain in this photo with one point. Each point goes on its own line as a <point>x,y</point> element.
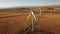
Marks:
<point>19,20</point>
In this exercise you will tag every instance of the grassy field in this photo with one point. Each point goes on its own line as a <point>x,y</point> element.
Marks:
<point>15,22</point>
<point>49,23</point>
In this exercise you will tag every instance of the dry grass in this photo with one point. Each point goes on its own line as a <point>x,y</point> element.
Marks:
<point>12,25</point>
<point>14,22</point>
<point>49,23</point>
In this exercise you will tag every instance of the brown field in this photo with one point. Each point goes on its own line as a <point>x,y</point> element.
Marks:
<point>17,22</point>
<point>11,24</point>
<point>49,23</point>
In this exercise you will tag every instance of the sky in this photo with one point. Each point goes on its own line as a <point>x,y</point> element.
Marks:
<point>19,3</point>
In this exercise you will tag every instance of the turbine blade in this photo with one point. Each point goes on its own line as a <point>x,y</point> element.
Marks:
<point>33,15</point>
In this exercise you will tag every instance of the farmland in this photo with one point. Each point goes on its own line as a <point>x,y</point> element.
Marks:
<point>12,23</point>
<point>15,22</point>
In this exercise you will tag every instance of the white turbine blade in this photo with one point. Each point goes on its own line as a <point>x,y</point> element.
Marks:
<point>29,16</point>
<point>33,15</point>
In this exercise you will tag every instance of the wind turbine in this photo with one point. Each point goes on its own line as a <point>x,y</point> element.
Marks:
<point>31,14</point>
<point>34,19</point>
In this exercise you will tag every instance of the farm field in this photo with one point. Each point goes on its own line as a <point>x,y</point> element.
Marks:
<point>49,23</point>
<point>16,23</point>
<point>12,24</point>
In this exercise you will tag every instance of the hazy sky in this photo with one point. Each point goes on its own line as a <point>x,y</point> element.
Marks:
<point>13,3</point>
